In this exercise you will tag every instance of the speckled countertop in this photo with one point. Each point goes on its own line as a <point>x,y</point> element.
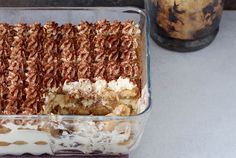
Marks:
<point>194,100</point>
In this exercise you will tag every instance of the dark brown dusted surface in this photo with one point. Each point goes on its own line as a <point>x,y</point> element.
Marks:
<point>44,57</point>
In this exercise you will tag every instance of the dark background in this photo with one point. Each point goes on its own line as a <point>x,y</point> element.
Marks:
<point>229,4</point>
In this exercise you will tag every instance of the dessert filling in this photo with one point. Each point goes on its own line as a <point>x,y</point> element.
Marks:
<point>84,69</point>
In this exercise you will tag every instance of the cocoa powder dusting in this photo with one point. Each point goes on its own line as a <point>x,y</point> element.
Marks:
<point>35,59</point>
<point>16,69</point>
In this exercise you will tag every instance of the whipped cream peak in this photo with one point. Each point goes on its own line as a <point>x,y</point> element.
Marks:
<point>83,85</point>
<point>100,85</point>
<point>86,86</point>
<point>121,84</point>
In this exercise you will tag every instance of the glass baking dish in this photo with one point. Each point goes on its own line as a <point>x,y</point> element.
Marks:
<point>63,135</point>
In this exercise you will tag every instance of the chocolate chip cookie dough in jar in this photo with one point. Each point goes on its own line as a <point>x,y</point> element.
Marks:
<point>184,25</point>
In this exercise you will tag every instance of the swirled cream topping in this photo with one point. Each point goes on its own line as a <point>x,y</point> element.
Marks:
<point>89,68</point>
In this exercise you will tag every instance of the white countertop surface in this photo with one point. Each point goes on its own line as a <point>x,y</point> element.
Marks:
<point>194,100</point>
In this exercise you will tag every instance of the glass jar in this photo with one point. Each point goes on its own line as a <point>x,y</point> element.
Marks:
<point>184,25</point>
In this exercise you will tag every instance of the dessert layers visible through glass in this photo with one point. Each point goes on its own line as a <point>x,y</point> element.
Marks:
<point>74,83</point>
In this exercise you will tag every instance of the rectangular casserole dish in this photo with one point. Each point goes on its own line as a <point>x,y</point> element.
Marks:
<point>63,135</point>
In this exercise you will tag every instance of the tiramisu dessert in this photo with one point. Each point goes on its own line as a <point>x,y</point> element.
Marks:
<point>57,70</point>
<point>85,69</point>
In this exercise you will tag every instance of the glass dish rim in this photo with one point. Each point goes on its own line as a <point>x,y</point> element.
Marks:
<point>85,117</point>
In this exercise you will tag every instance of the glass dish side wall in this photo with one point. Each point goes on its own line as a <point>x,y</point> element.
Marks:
<point>67,135</point>
<point>77,135</point>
